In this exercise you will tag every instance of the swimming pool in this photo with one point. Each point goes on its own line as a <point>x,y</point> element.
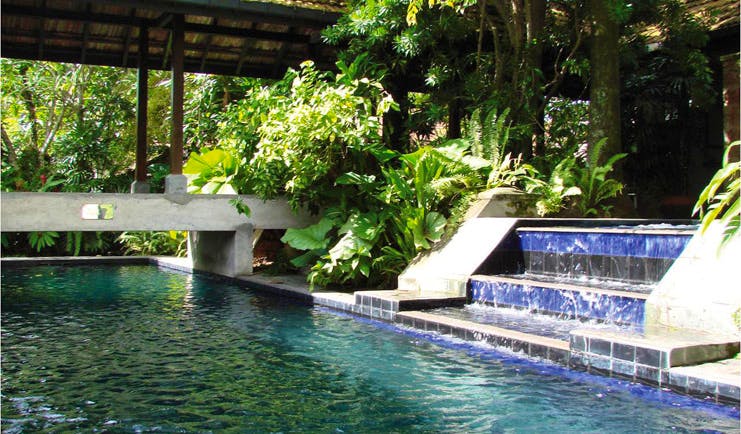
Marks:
<point>137,349</point>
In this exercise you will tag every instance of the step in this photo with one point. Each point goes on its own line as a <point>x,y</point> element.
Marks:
<point>556,350</point>
<point>549,326</point>
<point>384,304</point>
<point>631,254</point>
<point>678,359</point>
<point>574,301</point>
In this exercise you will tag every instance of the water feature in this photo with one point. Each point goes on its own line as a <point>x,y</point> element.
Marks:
<point>603,273</point>
<point>132,348</point>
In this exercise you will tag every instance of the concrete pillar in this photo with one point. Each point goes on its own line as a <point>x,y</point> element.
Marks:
<point>700,290</point>
<point>228,253</point>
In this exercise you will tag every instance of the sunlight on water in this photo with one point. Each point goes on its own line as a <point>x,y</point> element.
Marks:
<point>135,349</point>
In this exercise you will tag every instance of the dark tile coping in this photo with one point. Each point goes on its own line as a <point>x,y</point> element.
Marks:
<point>659,359</point>
<point>11,262</point>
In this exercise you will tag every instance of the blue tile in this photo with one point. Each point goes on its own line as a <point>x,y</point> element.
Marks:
<point>623,368</point>
<point>600,363</point>
<point>623,352</point>
<point>525,241</point>
<point>577,343</point>
<point>600,347</point>
<point>648,356</point>
<point>648,373</point>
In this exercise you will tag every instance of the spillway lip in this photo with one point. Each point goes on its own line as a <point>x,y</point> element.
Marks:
<point>562,286</point>
<point>649,229</point>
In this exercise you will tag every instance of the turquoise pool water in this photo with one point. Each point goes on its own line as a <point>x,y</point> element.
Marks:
<point>137,349</point>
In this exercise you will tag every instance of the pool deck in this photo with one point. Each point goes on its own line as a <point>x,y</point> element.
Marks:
<point>662,362</point>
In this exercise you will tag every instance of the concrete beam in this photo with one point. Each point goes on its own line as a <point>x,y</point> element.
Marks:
<point>28,212</point>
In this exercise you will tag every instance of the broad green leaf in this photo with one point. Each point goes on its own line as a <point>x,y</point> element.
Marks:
<point>362,225</point>
<point>305,259</point>
<point>435,226</point>
<point>309,238</point>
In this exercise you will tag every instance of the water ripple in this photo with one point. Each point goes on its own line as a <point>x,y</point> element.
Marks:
<point>134,349</point>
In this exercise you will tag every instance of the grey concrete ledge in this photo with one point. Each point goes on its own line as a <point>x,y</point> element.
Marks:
<point>30,212</point>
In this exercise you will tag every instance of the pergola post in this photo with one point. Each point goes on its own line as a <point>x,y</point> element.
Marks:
<point>140,184</point>
<point>176,182</point>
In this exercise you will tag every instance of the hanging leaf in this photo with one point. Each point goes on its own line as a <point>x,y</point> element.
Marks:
<point>309,238</point>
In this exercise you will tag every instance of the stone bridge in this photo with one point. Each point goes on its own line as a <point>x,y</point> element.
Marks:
<point>220,240</point>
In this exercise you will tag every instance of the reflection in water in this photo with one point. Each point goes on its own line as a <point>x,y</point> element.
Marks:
<point>136,349</point>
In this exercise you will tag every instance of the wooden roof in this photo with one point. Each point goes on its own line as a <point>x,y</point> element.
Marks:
<point>716,14</point>
<point>227,37</point>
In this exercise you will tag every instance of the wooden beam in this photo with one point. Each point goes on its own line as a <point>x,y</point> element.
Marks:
<point>142,98</point>
<point>246,33</point>
<point>162,21</point>
<point>71,15</point>
<point>176,135</point>
<point>207,47</point>
<point>85,36</point>
<point>127,40</point>
<point>42,30</point>
<point>281,55</point>
<point>242,55</point>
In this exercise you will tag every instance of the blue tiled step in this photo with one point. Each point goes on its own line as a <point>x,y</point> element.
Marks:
<point>583,281</point>
<point>626,255</point>
<point>658,357</point>
<point>556,350</point>
<point>667,244</point>
<point>573,301</point>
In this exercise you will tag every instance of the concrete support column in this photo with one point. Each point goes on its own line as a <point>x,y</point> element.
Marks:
<point>228,253</point>
<point>140,184</point>
<point>176,182</point>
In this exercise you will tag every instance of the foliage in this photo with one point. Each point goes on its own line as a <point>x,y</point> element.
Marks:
<point>719,200</point>
<point>324,126</point>
<point>211,172</point>
<point>170,243</point>
<point>401,213</point>
<point>577,182</point>
<point>39,240</point>
<point>69,121</point>
<point>552,193</point>
<point>593,182</point>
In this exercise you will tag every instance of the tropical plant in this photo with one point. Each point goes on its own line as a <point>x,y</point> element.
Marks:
<point>719,200</point>
<point>592,180</point>
<point>325,126</point>
<point>171,243</point>
<point>403,213</point>
<point>551,194</point>
<point>578,182</point>
<point>40,240</point>
<point>212,172</point>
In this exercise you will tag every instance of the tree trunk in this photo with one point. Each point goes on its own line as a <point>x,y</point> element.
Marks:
<point>30,104</point>
<point>8,147</point>
<point>454,119</point>
<point>604,95</point>
<point>535,15</point>
<point>395,134</point>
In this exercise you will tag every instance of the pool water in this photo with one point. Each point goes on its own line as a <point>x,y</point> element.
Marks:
<point>137,349</point>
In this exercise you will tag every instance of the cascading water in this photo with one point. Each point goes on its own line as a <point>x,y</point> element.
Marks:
<point>600,275</point>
